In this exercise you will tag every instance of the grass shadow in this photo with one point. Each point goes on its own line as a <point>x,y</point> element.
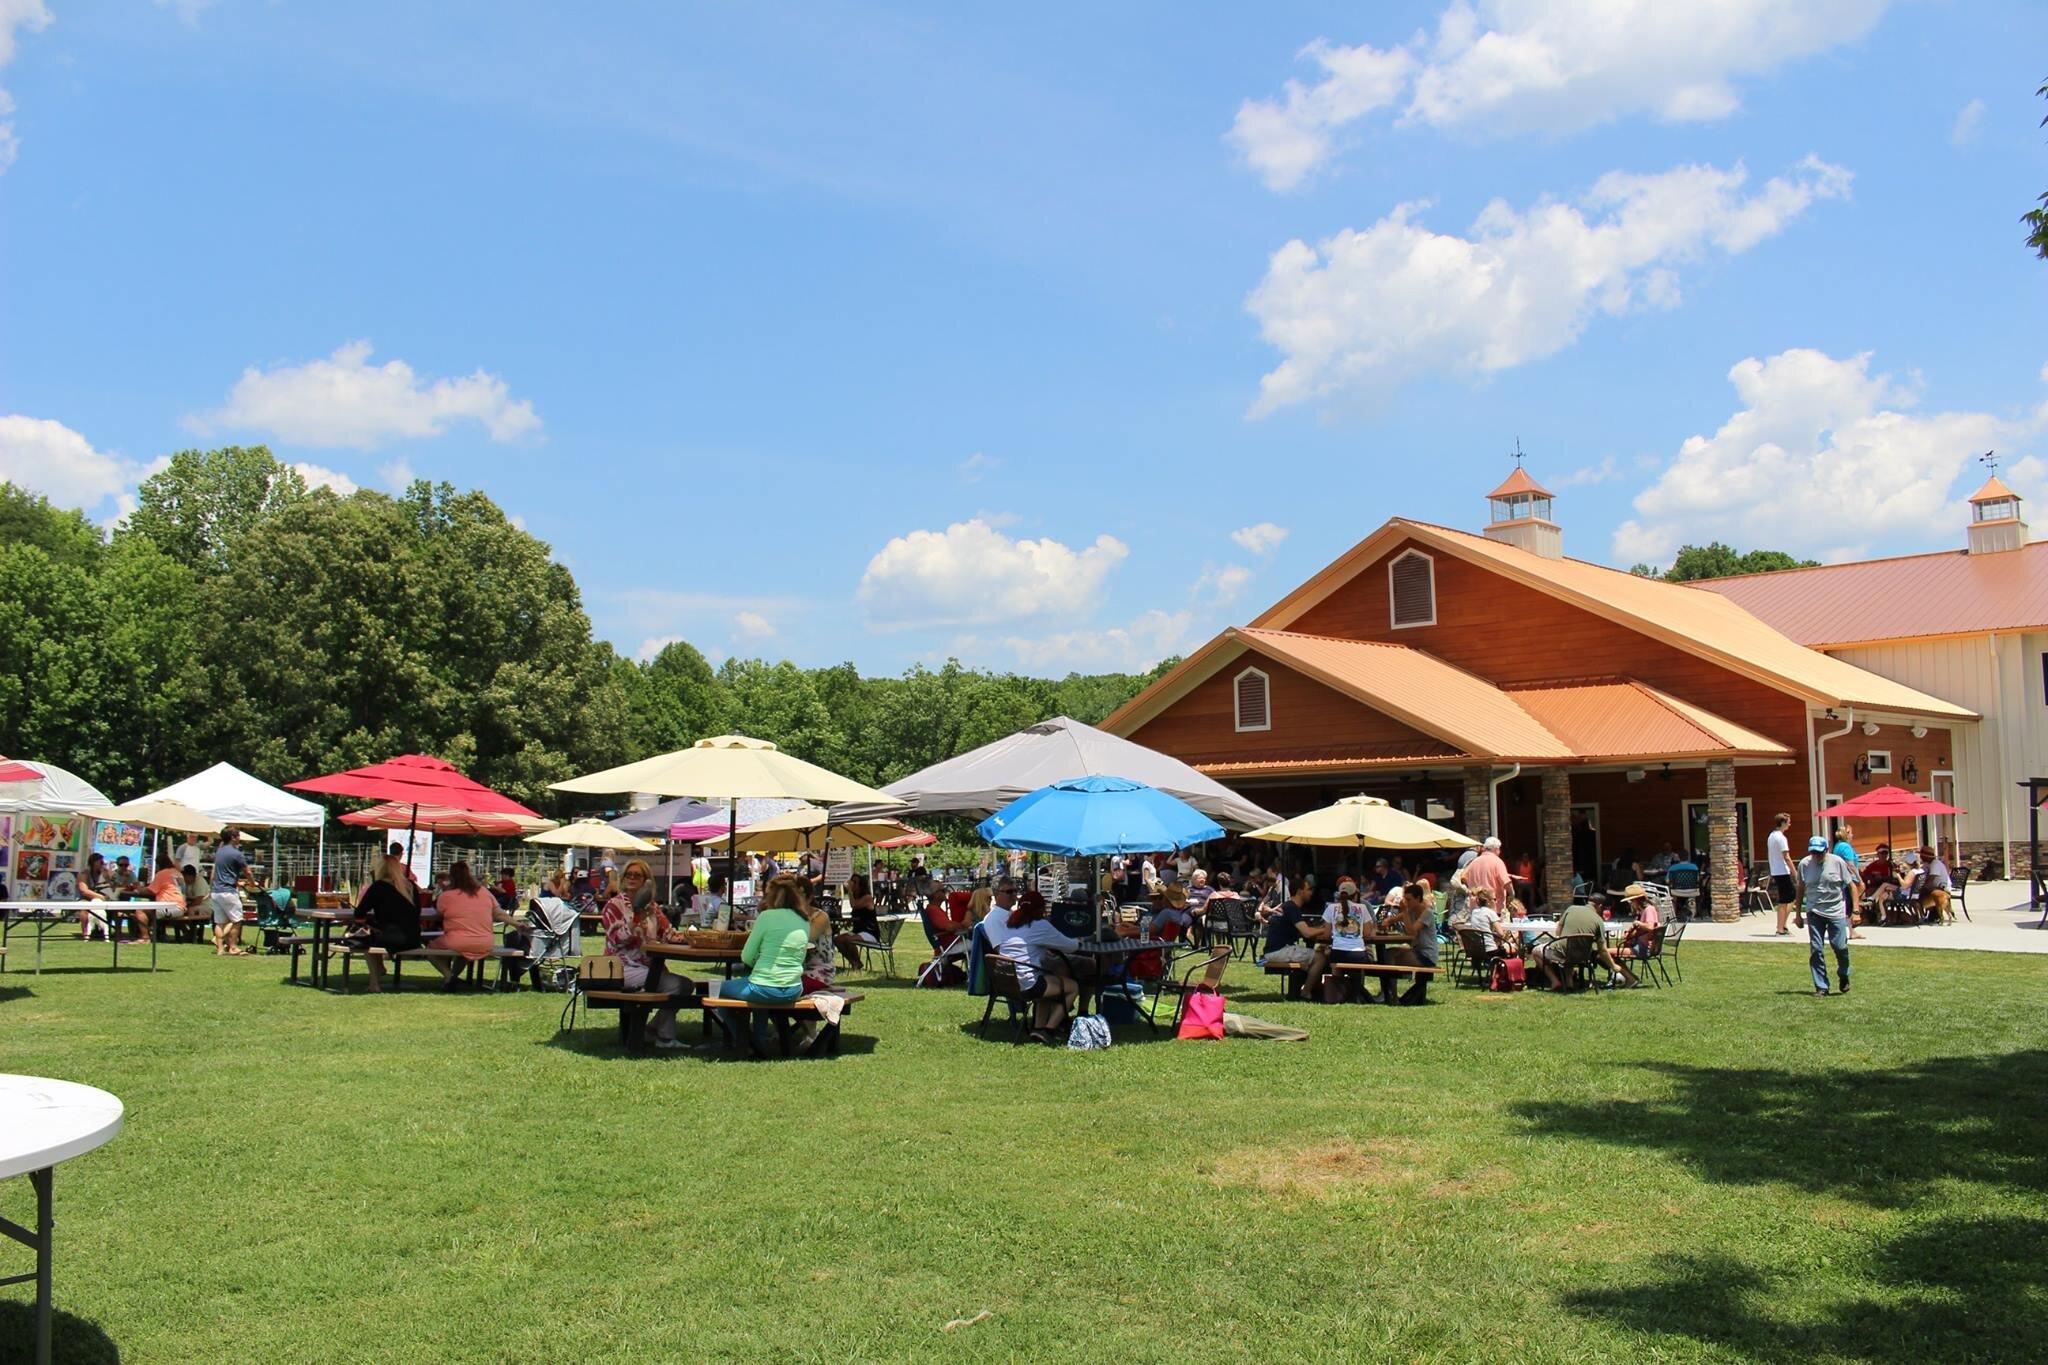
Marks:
<point>72,1338</point>
<point>8,993</point>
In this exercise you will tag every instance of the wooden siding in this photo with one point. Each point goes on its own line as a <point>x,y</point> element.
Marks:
<point>1202,726</point>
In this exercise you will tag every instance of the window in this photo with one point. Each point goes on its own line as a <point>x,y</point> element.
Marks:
<point>1832,822</point>
<point>1995,509</point>
<point>1254,701</point>
<point>1880,761</point>
<point>1411,589</point>
<point>1698,833</point>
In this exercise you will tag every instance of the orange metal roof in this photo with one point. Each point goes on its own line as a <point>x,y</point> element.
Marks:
<point>1712,627</point>
<point>1994,488</point>
<point>1625,719</point>
<point>1415,687</point>
<point>1345,757</point>
<point>1948,593</point>
<point>1520,482</point>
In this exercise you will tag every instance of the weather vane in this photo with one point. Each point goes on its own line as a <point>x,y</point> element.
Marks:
<point>1518,452</point>
<point>1989,459</point>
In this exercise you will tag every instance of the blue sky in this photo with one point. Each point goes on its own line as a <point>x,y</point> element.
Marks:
<point>1050,338</point>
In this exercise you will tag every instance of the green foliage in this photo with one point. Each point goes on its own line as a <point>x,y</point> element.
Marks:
<point>1716,560</point>
<point>239,616</point>
<point>2036,219</point>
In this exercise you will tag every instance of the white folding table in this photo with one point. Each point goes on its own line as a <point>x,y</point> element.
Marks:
<point>43,1122</point>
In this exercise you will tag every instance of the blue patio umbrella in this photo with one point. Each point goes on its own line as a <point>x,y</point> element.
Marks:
<point>1090,816</point>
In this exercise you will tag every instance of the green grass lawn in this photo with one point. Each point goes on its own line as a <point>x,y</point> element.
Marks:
<point>1731,1169</point>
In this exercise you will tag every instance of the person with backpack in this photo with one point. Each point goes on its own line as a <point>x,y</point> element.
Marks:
<point>1825,880</point>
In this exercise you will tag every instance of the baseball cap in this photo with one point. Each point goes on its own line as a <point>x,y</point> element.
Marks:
<point>1816,845</point>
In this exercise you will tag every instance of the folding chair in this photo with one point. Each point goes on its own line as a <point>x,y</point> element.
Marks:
<point>1210,966</point>
<point>1004,985</point>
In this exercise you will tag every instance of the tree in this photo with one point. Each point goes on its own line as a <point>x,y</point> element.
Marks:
<point>1716,560</point>
<point>203,501</point>
<point>2036,219</point>
<point>60,532</point>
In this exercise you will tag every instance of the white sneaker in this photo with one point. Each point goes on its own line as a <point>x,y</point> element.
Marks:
<point>670,1044</point>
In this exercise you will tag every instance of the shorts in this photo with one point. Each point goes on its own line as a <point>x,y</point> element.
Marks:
<point>227,908</point>
<point>1782,890</point>
<point>1293,952</point>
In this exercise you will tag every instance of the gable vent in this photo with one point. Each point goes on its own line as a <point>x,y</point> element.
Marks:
<point>1411,589</point>
<point>1254,701</point>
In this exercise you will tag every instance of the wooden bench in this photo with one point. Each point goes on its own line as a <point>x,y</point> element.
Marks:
<point>1361,968</point>
<point>785,1018</point>
<point>601,985</point>
<point>473,968</point>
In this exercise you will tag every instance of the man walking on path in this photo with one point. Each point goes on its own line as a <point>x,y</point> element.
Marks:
<point>1827,880</point>
<point>1784,895</point>
<point>230,870</point>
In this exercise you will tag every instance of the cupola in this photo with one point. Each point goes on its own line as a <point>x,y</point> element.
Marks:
<point>1995,519</point>
<point>1519,515</point>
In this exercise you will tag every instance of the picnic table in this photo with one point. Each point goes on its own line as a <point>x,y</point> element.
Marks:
<point>47,915</point>
<point>725,958</point>
<point>47,1122</point>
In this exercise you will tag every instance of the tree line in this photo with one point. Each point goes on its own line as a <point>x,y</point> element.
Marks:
<point>239,614</point>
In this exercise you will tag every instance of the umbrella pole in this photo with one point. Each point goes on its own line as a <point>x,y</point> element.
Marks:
<point>320,863</point>
<point>411,826</point>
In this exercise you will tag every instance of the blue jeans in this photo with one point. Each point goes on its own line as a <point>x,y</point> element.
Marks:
<point>745,988</point>
<point>1823,933</point>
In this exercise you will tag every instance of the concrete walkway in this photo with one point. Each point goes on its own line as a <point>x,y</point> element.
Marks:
<point>2000,922</point>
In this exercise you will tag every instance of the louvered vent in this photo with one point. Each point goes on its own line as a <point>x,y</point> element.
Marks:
<point>1254,705</point>
<point>1412,587</point>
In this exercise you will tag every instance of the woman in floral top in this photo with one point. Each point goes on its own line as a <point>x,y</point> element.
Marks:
<point>630,921</point>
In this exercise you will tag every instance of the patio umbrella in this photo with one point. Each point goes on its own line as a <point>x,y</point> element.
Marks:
<point>779,833</point>
<point>1890,803</point>
<point>1091,816</point>
<point>417,780</point>
<point>592,834</point>
<point>728,767</point>
<point>1362,822</point>
<point>161,814</point>
<point>442,820</point>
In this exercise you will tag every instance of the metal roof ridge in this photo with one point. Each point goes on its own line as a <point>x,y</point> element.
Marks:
<point>1708,583</point>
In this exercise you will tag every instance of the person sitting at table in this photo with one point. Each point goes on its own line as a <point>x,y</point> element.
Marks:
<point>122,878</point>
<point>820,960</point>
<point>682,898</point>
<point>1882,880</point>
<point>1293,937</point>
<point>1414,920</point>
<point>863,926</point>
<point>163,889</point>
<point>945,916</point>
<point>1350,924</point>
<point>469,916</point>
<point>1934,889</point>
<point>387,916</point>
<point>1582,921</point>
<point>1025,938</point>
<point>93,885</point>
<point>630,921</point>
<point>1644,921</point>
<point>774,957</point>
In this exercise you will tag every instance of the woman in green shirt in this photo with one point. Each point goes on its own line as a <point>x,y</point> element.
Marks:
<point>773,955</point>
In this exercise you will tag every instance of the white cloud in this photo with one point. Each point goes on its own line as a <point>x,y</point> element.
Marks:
<point>1546,66</point>
<point>1262,539</point>
<point>1608,470</point>
<point>186,10</point>
<point>344,400</point>
<point>653,645</point>
<point>50,458</point>
<point>32,16</point>
<point>972,574</point>
<point>1221,585</point>
<point>319,476</point>
<point>977,467</point>
<point>1969,121</point>
<point>1286,139</point>
<point>1125,649</point>
<point>1364,310</point>
<point>1823,459</point>
<point>752,625</point>
<point>397,475</point>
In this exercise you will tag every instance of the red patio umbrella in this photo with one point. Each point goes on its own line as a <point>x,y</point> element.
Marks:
<point>419,781</point>
<point>1889,804</point>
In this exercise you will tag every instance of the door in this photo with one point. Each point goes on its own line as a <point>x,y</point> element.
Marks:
<point>1586,840</point>
<point>1939,831</point>
<point>1696,834</point>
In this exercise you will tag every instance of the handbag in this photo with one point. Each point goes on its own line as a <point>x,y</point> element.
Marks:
<point>1202,1016</point>
<point>1508,975</point>
<point>1090,1033</point>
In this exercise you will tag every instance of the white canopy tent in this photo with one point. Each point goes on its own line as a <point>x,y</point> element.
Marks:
<point>235,798</point>
<point>58,793</point>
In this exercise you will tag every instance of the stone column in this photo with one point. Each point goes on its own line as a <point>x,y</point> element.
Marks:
<point>1478,814</point>
<point>1557,838</point>
<point>1723,852</point>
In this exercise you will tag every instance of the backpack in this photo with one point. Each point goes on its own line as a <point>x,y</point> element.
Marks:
<point>1090,1033</point>
<point>1508,975</point>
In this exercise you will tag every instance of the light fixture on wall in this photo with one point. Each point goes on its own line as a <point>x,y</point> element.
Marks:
<point>1911,772</point>
<point>1666,774</point>
<point>1869,727</point>
<point>1919,732</point>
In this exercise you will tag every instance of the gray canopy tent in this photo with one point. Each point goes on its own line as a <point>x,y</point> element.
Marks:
<point>982,781</point>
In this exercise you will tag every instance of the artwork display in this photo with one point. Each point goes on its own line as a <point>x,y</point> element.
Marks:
<point>43,853</point>
<point>31,865</point>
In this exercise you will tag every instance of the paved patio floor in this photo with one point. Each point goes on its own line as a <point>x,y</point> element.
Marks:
<point>2000,922</point>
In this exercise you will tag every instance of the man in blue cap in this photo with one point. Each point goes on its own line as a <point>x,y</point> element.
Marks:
<point>1825,879</point>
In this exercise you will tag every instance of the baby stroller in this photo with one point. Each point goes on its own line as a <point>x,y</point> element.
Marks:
<point>274,918</point>
<point>554,935</point>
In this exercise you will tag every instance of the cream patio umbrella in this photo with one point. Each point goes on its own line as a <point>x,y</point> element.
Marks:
<point>1362,822</point>
<point>794,829</point>
<point>728,768</point>
<point>160,814</point>
<point>592,834</point>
